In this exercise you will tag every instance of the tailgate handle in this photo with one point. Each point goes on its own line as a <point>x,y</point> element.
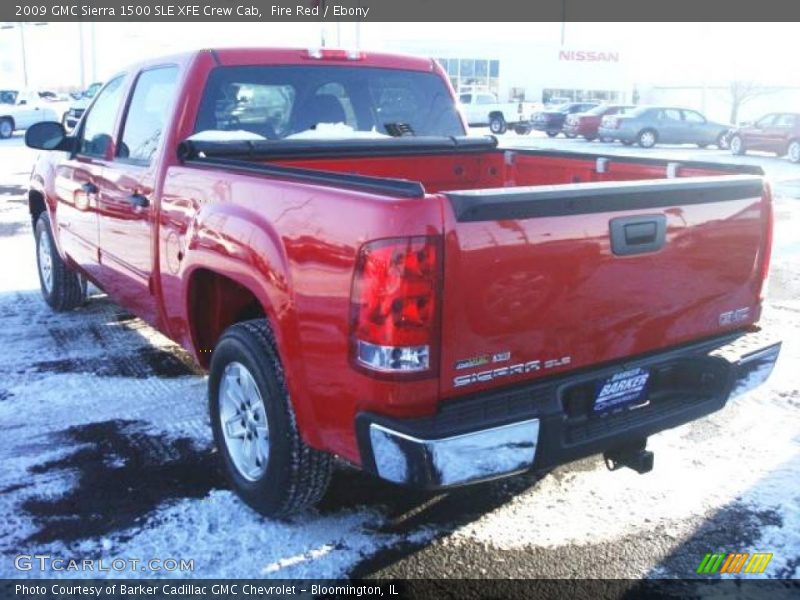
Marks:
<point>637,235</point>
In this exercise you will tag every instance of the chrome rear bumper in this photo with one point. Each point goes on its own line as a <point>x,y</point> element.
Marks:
<point>458,459</point>
<point>543,424</point>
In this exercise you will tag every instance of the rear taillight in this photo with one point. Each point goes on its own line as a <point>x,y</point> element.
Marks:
<point>394,306</point>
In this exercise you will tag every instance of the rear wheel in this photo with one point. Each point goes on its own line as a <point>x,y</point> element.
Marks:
<point>722,141</point>
<point>62,288</point>
<point>552,133</point>
<point>647,138</point>
<point>6,128</point>
<point>497,124</point>
<point>737,146</point>
<point>571,135</point>
<point>266,461</point>
<point>793,151</point>
<point>590,138</point>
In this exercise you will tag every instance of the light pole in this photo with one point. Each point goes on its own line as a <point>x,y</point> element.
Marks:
<point>22,26</point>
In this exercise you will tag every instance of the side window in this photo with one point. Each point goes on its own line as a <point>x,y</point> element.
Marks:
<point>784,121</point>
<point>671,114</point>
<point>766,121</point>
<point>691,116</point>
<point>465,98</point>
<point>485,99</point>
<point>147,113</point>
<point>98,126</point>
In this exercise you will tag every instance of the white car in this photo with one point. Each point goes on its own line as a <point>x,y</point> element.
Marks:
<point>19,109</point>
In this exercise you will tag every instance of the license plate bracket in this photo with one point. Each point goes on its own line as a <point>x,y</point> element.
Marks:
<point>621,391</point>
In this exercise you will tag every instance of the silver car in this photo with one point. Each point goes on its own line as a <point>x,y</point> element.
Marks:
<point>649,125</point>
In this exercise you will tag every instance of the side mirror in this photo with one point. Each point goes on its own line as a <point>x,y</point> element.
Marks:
<point>47,135</point>
<point>21,102</point>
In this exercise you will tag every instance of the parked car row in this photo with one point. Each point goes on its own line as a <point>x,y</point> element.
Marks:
<point>650,125</point>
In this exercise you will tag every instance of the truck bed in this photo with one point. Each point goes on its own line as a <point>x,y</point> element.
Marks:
<point>555,261</point>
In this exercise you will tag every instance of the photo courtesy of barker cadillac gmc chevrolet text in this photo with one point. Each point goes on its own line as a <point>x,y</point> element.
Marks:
<point>363,280</point>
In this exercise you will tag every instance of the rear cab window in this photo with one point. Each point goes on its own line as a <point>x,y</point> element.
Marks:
<point>323,102</point>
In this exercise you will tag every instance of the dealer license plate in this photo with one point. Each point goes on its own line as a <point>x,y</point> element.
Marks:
<point>626,389</point>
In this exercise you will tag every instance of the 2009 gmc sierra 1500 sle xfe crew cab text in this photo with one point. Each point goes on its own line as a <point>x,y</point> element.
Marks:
<point>363,280</point>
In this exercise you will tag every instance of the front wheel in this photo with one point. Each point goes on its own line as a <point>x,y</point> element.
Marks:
<point>793,151</point>
<point>264,458</point>
<point>737,146</point>
<point>571,135</point>
<point>62,288</point>
<point>551,133</point>
<point>497,124</point>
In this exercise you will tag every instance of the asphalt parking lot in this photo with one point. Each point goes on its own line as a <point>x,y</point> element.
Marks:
<point>107,454</point>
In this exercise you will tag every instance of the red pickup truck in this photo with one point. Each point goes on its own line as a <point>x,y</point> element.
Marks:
<point>363,280</point>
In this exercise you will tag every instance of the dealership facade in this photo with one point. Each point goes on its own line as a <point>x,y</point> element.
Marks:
<point>534,72</point>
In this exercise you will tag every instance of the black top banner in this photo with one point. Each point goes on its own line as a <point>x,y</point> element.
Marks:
<point>400,10</point>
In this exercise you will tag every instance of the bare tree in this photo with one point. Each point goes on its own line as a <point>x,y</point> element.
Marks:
<point>741,92</point>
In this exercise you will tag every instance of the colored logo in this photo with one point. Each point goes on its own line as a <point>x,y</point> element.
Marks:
<point>734,562</point>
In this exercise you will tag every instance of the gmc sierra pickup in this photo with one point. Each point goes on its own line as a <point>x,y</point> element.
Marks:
<point>362,280</point>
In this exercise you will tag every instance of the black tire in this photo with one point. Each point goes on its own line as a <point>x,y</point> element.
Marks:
<point>571,136</point>
<point>647,138</point>
<point>607,140</point>
<point>551,133</point>
<point>66,290</point>
<point>6,128</point>
<point>590,138</point>
<point>497,124</point>
<point>522,129</point>
<point>296,475</point>
<point>722,141</point>
<point>702,146</point>
<point>737,146</point>
<point>626,142</point>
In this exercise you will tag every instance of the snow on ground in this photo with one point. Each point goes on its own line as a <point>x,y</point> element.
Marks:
<point>107,453</point>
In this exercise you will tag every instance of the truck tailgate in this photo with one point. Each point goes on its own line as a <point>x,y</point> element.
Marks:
<point>546,279</point>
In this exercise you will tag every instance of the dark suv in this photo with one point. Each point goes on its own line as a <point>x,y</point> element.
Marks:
<point>775,132</point>
<point>551,120</point>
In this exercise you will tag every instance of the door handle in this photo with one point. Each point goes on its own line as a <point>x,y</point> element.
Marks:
<point>89,188</point>
<point>637,235</point>
<point>138,201</point>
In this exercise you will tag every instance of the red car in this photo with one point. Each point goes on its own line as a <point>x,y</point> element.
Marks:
<point>775,132</point>
<point>364,281</point>
<point>586,124</point>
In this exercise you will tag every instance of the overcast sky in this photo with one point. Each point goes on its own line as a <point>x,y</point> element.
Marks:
<point>660,53</point>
